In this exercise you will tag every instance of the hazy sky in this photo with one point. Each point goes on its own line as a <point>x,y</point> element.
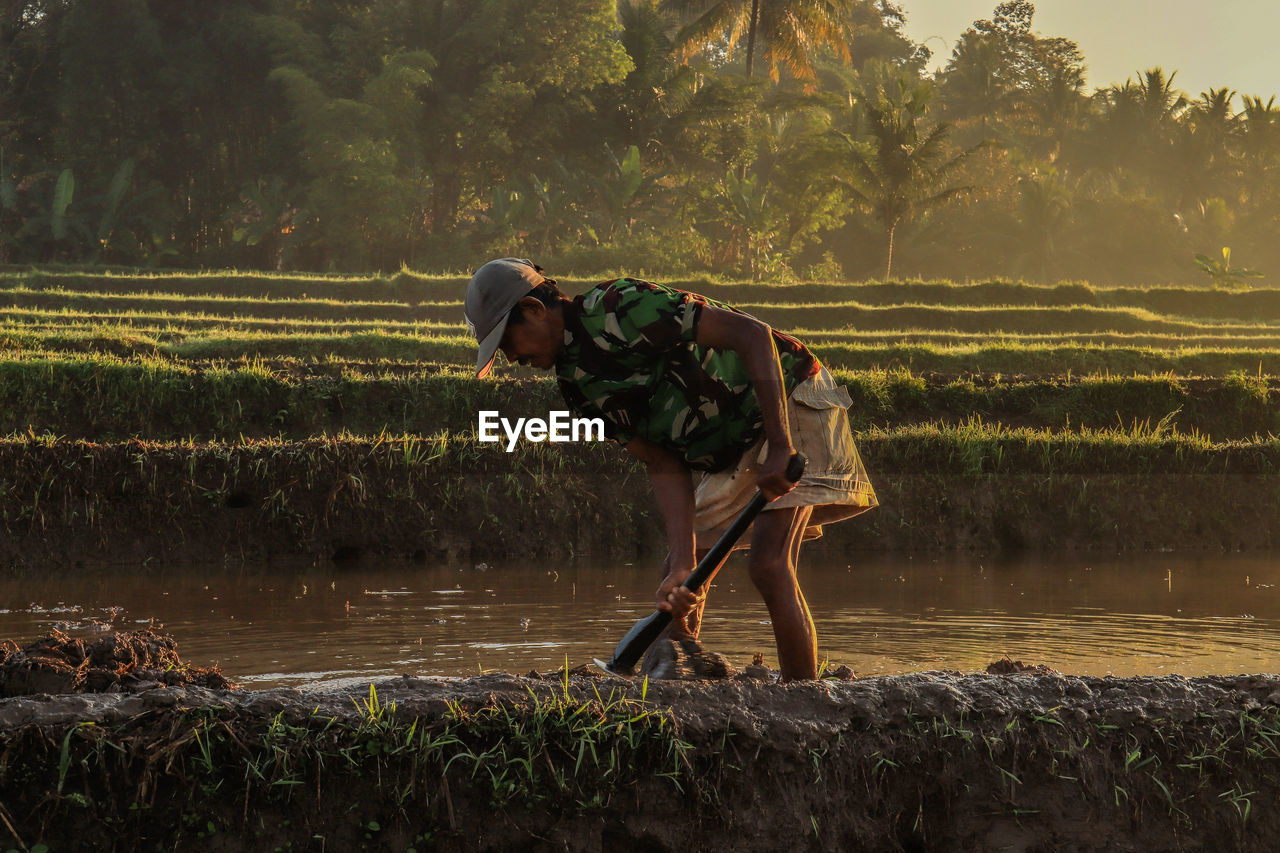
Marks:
<point>1210,43</point>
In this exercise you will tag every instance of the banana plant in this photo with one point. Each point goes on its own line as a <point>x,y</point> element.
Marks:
<point>63,192</point>
<point>8,206</point>
<point>502,222</point>
<point>556,207</point>
<point>56,224</point>
<point>122,215</point>
<point>111,206</point>
<point>8,189</point>
<point>745,209</point>
<point>625,193</point>
<point>122,225</point>
<point>1221,271</point>
<point>266,216</point>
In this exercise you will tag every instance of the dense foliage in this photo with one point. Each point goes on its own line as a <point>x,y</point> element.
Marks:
<point>778,139</point>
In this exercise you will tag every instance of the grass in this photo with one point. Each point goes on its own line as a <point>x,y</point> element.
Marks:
<point>109,398</point>
<point>17,320</point>
<point>989,327</point>
<point>406,286</point>
<point>105,399</point>
<point>1050,359</point>
<point>191,774</point>
<point>1187,772</point>
<point>402,286</point>
<point>951,338</point>
<point>993,319</point>
<point>373,343</point>
<point>989,319</point>
<point>978,449</point>
<point>447,496</point>
<point>1190,302</point>
<point>449,344</point>
<point>303,306</point>
<point>50,482</point>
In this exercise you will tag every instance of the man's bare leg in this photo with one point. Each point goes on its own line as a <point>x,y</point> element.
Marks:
<point>775,549</point>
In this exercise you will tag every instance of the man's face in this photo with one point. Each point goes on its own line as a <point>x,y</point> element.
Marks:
<point>536,341</point>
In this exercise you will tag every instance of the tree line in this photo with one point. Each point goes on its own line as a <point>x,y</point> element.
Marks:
<point>773,139</point>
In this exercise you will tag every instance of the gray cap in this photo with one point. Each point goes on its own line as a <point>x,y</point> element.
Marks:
<point>491,294</point>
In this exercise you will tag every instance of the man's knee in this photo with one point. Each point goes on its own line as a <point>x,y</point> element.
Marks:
<point>771,572</point>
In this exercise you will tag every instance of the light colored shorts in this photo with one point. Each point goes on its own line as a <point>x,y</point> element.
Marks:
<point>834,483</point>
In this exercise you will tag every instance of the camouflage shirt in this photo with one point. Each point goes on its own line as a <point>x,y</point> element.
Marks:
<point>630,358</point>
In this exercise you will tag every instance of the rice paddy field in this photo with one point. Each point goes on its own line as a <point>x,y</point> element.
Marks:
<point>990,414</point>
<point>164,422</point>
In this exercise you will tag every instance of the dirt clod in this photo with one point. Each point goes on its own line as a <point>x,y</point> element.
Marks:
<point>685,660</point>
<point>125,661</point>
<point>841,673</point>
<point>1008,666</point>
<point>582,670</point>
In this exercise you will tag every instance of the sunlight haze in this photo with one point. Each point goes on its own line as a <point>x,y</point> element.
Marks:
<point>1226,43</point>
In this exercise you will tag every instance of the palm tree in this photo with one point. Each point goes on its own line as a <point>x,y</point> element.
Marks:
<point>1208,131</point>
<point>1159,102</point>
<point>976,83</point>
<point>792,29</point>
<point>1212,116</point>
<point>1137,126</point>
<point>1259,164</point>
<point>1054,101</point>
<point>1259,136</point>
<point>899,170</point>
<point>1144,113</point>
<point>1044,212</point>
<point>652,105</point>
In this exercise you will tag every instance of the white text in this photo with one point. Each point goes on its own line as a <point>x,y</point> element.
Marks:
<point>559,426</point>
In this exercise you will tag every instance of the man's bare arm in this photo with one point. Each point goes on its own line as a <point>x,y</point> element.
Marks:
<point>672,483</point>
<point>752,340</point>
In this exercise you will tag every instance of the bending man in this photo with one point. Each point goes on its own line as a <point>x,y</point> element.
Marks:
<point>713,401</point>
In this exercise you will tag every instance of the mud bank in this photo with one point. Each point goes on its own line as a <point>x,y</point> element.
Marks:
<point>63,503</point>
<point>929,761</point>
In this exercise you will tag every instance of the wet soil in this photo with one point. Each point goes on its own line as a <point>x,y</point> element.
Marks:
<point>127,661</point>
<point>1030,759</point>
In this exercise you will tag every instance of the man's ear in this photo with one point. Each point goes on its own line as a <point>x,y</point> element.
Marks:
<point>532,305</point>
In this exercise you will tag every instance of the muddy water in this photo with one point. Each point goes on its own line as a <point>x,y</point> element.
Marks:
<point>287,624</point>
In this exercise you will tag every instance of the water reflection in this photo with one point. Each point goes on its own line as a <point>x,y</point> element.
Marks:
<point>272,625</point>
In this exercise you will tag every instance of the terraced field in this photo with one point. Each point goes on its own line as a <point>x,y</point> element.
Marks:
<point>986,413</point>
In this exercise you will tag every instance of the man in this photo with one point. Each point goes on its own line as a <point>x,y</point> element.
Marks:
<point>686,385</point>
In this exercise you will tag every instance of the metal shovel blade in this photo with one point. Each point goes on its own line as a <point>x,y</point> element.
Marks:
<point>637,640</point>
<point>608,667</point>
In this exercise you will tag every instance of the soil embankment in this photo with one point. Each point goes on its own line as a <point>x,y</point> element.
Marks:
<point>66,503</point>
<point>1031,760</point>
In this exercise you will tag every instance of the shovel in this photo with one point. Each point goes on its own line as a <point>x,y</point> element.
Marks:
<point>644,632</point>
